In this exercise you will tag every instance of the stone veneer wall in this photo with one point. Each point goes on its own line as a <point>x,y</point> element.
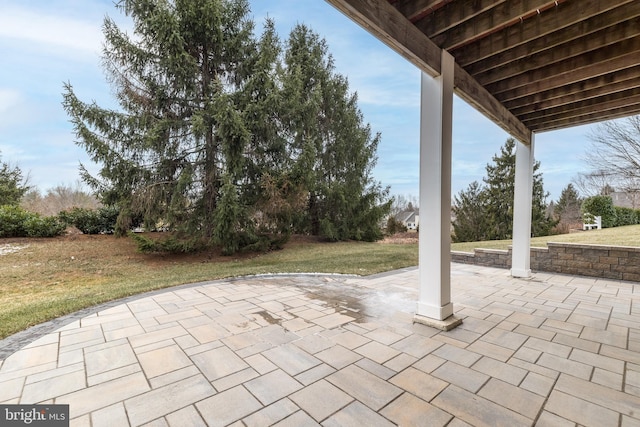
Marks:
<point>611,262</point>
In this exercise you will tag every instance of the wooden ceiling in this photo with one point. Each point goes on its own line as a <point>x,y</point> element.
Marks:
<point>529,65</point>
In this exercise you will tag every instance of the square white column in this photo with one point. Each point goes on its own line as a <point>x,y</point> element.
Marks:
<point>523,194</point>
<point>436,112</point>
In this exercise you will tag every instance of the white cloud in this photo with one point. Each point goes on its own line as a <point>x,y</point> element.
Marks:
<point>45,30</point>
<point>9,100</point>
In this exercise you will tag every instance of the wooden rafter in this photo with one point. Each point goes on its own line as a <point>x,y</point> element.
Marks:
<point>529,65</point>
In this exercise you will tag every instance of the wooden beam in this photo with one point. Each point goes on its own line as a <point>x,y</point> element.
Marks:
<point>460,32</point>
<point>601,104</point>
<point>549,41</point>
<point>595,117</point>
<point>562,16</point>
<point>453,14</point>
<point>627,76</point>
<point>574,94</point>
<point>600,62</point>
<point>415,9</point>
<point>474,94</point>
<point>387,24</point>
<point>559,55</point>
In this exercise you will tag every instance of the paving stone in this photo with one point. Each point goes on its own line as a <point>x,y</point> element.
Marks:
<point>364,386</point>
<point>173,376</point>
<point>476,410</point>
<point>226,407</point>
<point>271,414</point>
<point>218,363</point>
<point>163,360</point>
<point>457,355</point>
<point>165,400</point>
<point>321,399</point>
<point>314,343</point>
<point>11,389</point>
<point>400,362</point>
<point>338,356</point>
<point>384,336</point>
<point>157,336</point>
<point>461,376</point>
<point>348,339</point>
<point>419,383</point>
<point>234,379</point>
<point>491,350</point>
<point>596,360</point>
<point>548,347</point>
<point>607,379</point>
<point>376,369</point>
<point>333,320</point>
<point>30,357</point>
<point>429,363</point>
<point>560,364</point>
<point>517,399</point>
<point>580,411</point>
<point>575,342</point>
<point>356,415</point>
<point>260,363</point>
<point>604,337</point>
<point>298,419</point>
<point>408,410</point>
<point>630,422</point>
<point>538,384</point>
<point>53,387</point>
<point>272,386</point>
<point>114,415</point>
<point>417,345</point>
<point>208,333</point>
<point>314,374</point>
<point>104,394</point>
<point>188,416</point>
<point>113,374</point>
<point>599,395</point>
<point>291,359</point>
<point>505,372</point>
<point>547,419</point>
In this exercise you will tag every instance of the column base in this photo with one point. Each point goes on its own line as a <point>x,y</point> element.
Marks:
<point>444,325</point>
<point>525,274</point>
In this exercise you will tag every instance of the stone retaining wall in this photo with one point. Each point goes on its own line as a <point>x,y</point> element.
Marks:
<point>611,262</point>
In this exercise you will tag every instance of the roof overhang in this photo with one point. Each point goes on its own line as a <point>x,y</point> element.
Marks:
<point>528,65</point>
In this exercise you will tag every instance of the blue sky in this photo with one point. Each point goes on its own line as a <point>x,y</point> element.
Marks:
<point>46,43</point>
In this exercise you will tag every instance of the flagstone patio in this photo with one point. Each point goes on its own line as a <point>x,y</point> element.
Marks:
<point>292,350</point>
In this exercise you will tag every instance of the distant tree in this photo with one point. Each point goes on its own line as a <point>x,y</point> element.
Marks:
<point>567,209</point>
<point>403,203</point>
<point>58,199</point>
<point>469,209</point>
<point>12,184</point>
<point>614,154</point>
<point>500,186</point>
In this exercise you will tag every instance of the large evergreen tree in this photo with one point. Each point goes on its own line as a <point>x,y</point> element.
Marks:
<point>219,139</point>
<point>469,208</point>
<point>491,206</point>
<point>333,151</point>
<point>500,184</point>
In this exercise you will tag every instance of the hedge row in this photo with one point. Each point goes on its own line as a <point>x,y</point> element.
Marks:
<point>18,222</point>
<point>612,216</point>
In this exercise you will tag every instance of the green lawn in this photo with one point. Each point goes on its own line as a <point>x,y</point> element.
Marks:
<point>619,236</point>
<point>48,278</point>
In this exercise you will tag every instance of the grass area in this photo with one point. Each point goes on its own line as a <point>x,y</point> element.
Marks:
<point>48,278</point>
<point>619,236</point>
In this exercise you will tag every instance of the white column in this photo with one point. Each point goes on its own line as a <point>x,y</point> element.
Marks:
<point>436,112</point>
<point>523,194</point>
